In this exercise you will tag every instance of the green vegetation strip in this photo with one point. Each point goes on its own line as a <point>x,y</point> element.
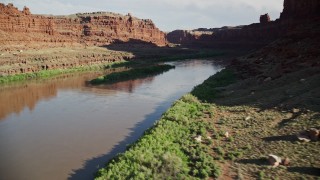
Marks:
<point>169,150</point>
<point>54,72</point>
<point>131,74</point>
<point>209,89</point>
<point>232,137</point>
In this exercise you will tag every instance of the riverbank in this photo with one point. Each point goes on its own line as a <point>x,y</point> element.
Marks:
<point>169,149</point>
<point>131,74</point>
<point>85,116</point>
<point>261,106</point>
<point>55,72</point>
<point>194,139</point>
<point>35,60</point>
<point>48,62</point>
<point>178,146</point>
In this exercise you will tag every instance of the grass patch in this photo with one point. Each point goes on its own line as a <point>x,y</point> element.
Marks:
<point>55,72</point>
<point>131,74</point>
<point>208,90</point>
<point>168,149</point>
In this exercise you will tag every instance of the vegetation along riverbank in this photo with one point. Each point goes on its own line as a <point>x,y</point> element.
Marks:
<point>50,62</point>
<point>259,118</point>
<point>55,72</point>
<point>198,139</point>
<point>131,74</point>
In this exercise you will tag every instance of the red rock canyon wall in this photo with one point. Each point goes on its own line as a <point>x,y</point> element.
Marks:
<point>100,28</point>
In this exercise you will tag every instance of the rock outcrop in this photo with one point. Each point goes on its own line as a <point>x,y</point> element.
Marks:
<point>184,36</point>
<point>21,28</point>
<point>297,9</point>
<point>258,34</point>
<point>312,134</point>
<point>274,160</point>
<point>264,18</point>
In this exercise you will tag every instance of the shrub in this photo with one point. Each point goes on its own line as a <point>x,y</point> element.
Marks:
<point>168,149</point>
<point>207,90</point>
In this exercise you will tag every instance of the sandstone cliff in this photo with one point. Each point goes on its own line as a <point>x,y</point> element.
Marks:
<point>294,13</point>
<point>20,29</point>
<point>185,36</point>
<point>297,9</point>
<point>264,18</point>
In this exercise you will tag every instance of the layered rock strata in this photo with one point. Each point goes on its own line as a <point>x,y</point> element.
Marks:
<point>57,58</point>
<point>31,43</point>
<point>21,29</point>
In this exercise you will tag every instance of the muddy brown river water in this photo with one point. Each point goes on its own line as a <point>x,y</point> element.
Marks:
<point>61,128</point>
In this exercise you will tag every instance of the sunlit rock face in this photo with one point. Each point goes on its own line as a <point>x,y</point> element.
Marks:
<point>99,28</point>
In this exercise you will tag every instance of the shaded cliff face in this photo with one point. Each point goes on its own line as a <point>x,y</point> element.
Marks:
<point>99,28</point>
<point>297,9</point>
<point>183,36</point>
<point>255,35</point>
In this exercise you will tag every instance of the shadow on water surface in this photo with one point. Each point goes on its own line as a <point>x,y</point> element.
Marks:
<point>20,97</point>
<point>91,166</point>
<point>147,50</point>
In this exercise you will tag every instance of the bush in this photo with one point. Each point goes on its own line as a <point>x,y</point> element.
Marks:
<point>207,90</point>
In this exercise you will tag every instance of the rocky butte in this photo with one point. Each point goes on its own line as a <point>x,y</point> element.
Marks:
<point>98,28</point>
<point>264,18</point>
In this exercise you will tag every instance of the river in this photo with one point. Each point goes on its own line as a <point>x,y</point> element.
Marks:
<point>61,128</point>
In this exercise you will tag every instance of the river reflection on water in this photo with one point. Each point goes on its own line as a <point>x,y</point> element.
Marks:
<point>62,128</point>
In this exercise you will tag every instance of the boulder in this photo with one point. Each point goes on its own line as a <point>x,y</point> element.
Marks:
<point>295,110</point>
<point>226,134</point>
<point>274,160</point>
<point>285,161</point>
<point>267,79</point>
<point>198,138</point>
<point>303,138</point>
<point>314,134</point>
